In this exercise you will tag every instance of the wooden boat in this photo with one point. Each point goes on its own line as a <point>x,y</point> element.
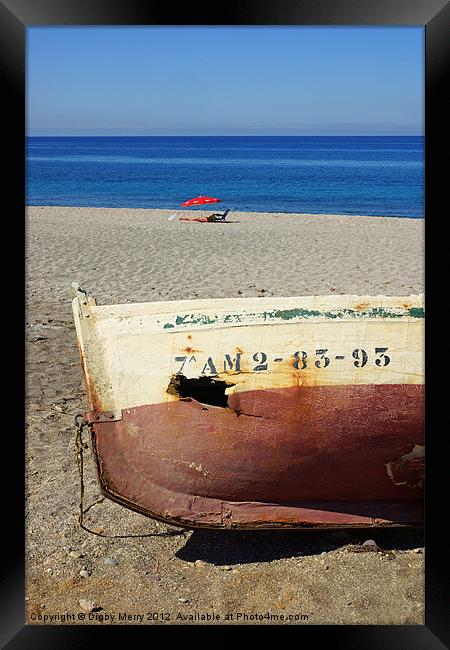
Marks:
<point>258,412</point>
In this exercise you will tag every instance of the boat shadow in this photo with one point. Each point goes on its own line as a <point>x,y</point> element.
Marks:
<point>220,547</point>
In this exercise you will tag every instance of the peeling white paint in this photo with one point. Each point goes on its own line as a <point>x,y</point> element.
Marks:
<point>129,360</point>
<point>198,468</point>
<point>418,451</point>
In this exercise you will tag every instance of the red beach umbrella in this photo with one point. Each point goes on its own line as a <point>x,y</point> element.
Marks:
<point>200,200</point>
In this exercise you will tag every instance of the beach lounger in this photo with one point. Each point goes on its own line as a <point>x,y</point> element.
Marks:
<point>216,216</point>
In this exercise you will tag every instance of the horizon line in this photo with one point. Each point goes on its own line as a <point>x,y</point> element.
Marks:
<point>225,135</point>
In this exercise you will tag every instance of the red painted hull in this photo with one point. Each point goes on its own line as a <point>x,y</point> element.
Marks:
<point>319,455</point>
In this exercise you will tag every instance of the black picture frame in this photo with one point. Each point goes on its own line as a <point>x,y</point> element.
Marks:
<point>15,17</point>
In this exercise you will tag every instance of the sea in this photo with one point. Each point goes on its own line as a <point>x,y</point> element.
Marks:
<point>377,175</point>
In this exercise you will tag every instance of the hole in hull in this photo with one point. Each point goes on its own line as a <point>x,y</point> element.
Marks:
<point>205,390</point>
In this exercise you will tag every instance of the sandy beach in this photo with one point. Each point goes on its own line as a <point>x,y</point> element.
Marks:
<point>137,255</point>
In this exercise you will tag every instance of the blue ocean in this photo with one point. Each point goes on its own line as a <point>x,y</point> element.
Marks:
<point>380,176</point>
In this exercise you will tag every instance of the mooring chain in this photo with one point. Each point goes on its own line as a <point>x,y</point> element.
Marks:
<point>80,446</point>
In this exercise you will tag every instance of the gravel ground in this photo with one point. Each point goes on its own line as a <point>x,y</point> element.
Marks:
<point>145,572</point>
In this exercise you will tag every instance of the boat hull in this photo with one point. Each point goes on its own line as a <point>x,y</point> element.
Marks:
<point>189,428</point>
<point>190,464</point>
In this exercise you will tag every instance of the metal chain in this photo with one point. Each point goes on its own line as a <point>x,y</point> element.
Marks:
<point>80,424</point>
<point>80,446</point>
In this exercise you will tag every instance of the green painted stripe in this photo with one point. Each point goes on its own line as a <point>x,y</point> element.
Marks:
<point>274,316</point>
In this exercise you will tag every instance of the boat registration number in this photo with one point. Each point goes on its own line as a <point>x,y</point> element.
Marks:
<point>263,361</point>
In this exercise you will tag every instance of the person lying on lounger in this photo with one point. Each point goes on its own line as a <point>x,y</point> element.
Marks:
<point>217,216</point>
<point>212,217</point>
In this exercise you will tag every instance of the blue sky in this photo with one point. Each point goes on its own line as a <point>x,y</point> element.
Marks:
<point>150,80</point>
